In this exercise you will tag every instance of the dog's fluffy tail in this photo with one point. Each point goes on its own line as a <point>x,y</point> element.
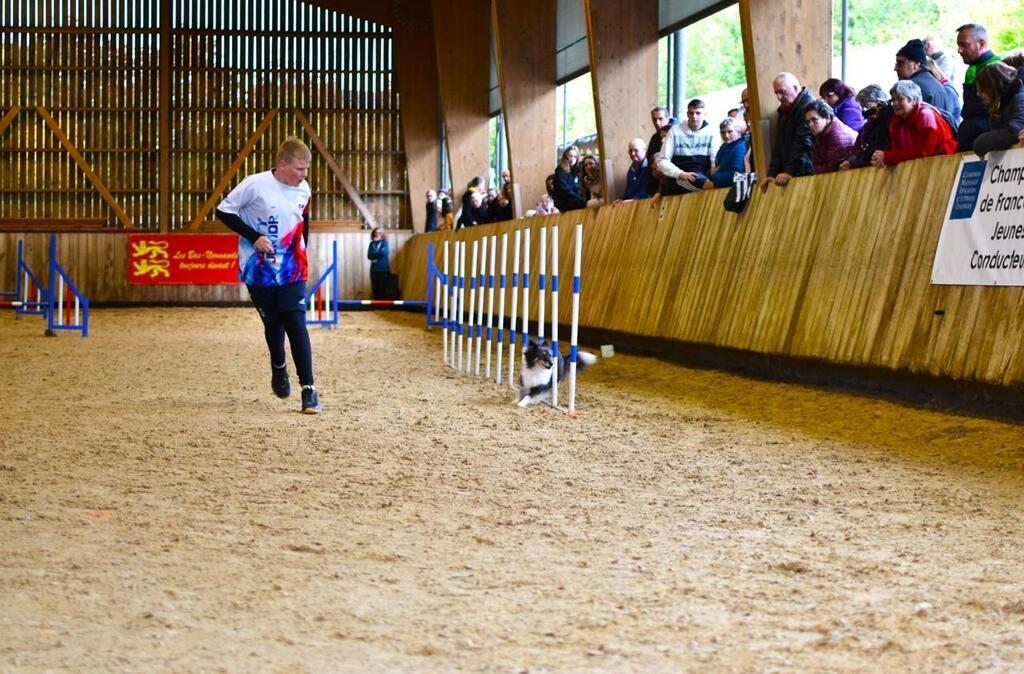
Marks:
<point>584,360</point>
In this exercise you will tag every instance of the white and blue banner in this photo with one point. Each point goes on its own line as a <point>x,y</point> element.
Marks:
<point>982,239</point>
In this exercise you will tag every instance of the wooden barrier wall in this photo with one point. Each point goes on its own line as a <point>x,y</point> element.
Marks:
<point>98,264</point>
<point>834,268</point>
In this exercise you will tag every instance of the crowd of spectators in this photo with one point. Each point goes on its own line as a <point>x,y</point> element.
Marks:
<point>924,114</point>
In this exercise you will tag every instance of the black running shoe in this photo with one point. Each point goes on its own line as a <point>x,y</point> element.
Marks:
<point>310,400</point>
<point>279,381</point>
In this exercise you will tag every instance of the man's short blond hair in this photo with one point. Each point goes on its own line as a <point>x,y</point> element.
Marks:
<point>292,150</point>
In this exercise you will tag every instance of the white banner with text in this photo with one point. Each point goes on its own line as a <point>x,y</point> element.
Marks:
<point>982,239</point>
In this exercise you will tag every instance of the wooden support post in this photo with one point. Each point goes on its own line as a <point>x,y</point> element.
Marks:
<point>164,120</point>
<point>8,118</point>
<point>623,40</point>
<point>525,50</point>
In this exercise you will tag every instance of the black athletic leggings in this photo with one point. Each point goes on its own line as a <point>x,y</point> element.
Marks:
<point>276,325</point>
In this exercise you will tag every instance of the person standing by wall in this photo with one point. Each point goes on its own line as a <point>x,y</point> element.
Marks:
<point>380,268</point>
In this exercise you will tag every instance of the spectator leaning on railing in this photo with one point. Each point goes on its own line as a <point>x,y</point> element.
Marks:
<point>912,64</point>
<point>688,151</point>
<point>874,135</point>
<point>590,182</point>
<point>791,152</point>
<point>832,139</point>
<point>1000,88</point>
<point>729,159</point>
<point>972,45</point>
<point>917,129</point>
<point>638,177</point>
<point>843,100</point>
<point>567,193</point>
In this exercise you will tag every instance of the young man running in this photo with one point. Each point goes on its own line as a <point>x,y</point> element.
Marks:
<point>270,213</point>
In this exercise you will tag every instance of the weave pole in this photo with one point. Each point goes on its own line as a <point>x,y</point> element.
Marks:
<point>524,331</point>
<point>437,291</point>
<point>481,289</point>
<point>501,305</point>
<point>574,333</point>
<point>444,305</point>
<point>490,304</point>
<point>541,292</point>
<point>554,312</point>
<point>460,299</point>
<point>512,345</point>
<point>471,319</point>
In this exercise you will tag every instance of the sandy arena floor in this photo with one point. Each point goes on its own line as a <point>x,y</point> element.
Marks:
<point>161,511</point>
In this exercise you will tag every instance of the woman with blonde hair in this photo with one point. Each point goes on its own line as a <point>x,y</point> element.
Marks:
<point>567,193</point>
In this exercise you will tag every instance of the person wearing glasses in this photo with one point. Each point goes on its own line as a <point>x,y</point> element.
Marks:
<point>917,129</point>
<point>874,135</point>
<point>831,140</point>
<point>912,64</point>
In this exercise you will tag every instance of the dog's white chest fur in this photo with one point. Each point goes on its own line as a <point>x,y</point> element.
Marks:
<point>535,376</point>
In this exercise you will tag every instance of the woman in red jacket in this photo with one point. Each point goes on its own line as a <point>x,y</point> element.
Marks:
<point>917,129</point>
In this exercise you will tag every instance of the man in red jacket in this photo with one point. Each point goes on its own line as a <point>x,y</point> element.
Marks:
<point>916,130</point>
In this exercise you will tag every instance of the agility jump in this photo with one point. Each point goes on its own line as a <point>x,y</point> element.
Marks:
<point>323,304</point>
<point>60,302</point>
<point>466,333</point>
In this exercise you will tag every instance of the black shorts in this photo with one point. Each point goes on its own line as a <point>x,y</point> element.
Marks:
<point>272,300</point>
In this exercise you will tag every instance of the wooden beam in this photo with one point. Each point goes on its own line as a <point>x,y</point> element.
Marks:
<point>90,175</point>
<point>8,118</point>
<point>623,39</point>
<point>350,190</point>
<point>250,144</point>
<point>164,120</point>
<point>525,45</point>
<point>417,86</point>
<point>782,36</point>
<point>462,57</point>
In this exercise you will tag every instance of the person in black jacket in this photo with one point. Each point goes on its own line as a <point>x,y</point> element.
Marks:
<point>1002,91</point>
<point>874,135</point>
<point>432,207</point>
<point>791,151</point>
<point>912,64</point>
<point>568,195</point>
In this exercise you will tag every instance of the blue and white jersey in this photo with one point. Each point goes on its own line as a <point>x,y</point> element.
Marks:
<point>276,211</point>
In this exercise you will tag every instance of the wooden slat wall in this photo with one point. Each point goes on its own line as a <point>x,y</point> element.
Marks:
<point>98,264</point>
<point>96,67</point>
<point>95,72</point>
<point>835,268</point>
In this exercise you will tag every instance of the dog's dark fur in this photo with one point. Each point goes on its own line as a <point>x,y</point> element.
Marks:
<point>539,361</point>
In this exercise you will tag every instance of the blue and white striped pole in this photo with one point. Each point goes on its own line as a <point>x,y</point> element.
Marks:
<point>460,309</point>
<point>444,307</point>
<point>471,319</point>
<point>554,312</point>
<point>574,335</point>
<point>490,304</point>
<point>512,345</point>
<point>524,333</point>
<point>481,280</point>
<point>501,305</point>
<point>541,290</point>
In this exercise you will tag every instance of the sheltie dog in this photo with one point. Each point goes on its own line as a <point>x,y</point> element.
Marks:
<point>539,363</point>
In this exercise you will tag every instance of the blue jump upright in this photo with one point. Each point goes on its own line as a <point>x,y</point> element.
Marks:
<point>67,308</point>
<point>29,297</point>
<point>320,307</point>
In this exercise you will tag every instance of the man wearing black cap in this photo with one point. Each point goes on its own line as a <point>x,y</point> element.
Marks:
<point>912,64</point>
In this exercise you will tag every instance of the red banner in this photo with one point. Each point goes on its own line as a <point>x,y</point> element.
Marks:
<point>198,259</point>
